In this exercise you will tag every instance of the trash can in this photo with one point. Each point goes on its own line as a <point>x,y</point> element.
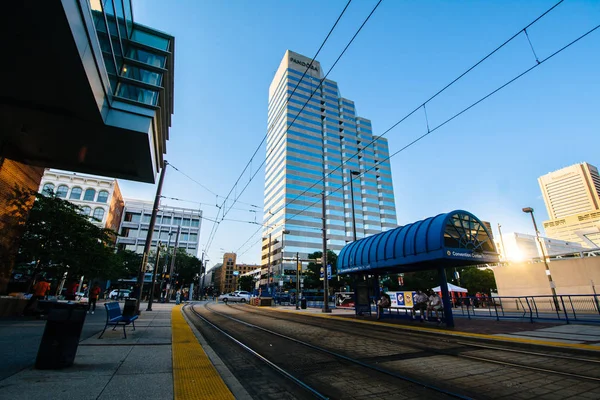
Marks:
<point>61,335</point>
<point>130,308</point>
<point>303,303</point>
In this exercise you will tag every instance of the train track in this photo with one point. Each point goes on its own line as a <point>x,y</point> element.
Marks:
<point>433,346</point>
<point>374,377</point>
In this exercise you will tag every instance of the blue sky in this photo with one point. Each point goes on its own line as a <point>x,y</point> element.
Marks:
<point>486,161</point>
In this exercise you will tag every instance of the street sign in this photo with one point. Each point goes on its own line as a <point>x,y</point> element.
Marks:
<point>319,260</point>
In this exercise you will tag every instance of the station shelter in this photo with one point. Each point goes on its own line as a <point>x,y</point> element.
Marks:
<point>454,239</point>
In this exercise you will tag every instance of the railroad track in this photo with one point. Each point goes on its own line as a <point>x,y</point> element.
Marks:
<point>498,355</point>
<point>317,374</point>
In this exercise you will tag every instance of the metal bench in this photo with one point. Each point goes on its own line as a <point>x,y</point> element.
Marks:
<point>115,317</point>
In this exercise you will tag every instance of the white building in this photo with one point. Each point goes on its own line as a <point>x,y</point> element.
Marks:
<point>522,247</point>
<point>98,197</point>
<point>136,220</point>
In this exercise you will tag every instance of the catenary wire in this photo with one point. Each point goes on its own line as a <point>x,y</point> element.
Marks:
<point>460,113</point>
<point>312,94</point>
<point>422,105</point>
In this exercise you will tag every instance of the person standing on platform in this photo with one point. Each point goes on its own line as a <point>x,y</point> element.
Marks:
<point>94,293</point>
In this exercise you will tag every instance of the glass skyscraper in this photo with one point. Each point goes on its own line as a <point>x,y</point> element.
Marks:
<point>309,151</point>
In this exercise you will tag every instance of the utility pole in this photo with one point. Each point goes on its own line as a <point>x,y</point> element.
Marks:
<point>201,277</point>
<point>173,263</point>
<point>324,260</point>
<point>502,241</point>
<point>269,274</point>
<point>529,210</point>
<point>142,271</point>
<point>298,268</point>
<point>164,271</point>
<point>151,299</point>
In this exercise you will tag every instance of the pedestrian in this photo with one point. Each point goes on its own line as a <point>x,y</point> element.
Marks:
<point>178,297</point>
<point>420,304</point>
<point>40,289</point>
<point>72,290</point>
<point>93,297</point>
<point>435,304</point>
<point>384,302</point>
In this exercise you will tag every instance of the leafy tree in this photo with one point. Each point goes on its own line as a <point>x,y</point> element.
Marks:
<point>127,263</point>
<point>186,267</point>
<point>312,275</point>
<point>477,280</point>
<point>61,239</point>
<point>246,283</point>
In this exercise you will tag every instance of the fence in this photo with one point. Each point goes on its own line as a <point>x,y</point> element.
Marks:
<point>565,308</point>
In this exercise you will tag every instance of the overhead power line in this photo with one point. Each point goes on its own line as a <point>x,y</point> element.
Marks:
<point>538,63</point>
<point>423,104</point>
<point>215,226</point>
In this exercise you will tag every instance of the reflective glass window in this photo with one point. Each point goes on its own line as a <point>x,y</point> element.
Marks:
<point>102,196</point>
<point>62,191</point>
<point>146,218</point>
<point>90,194</point>
<point>166,220</point>
<point>136,93</point>
<point>142,75</point>
<point>75,193</point>
<point>146,57</point>
<point>48,188</point>
<point>86,211</point>
<point>195,223</point>
<point>150,40</point>
<point>177,221</point>
<point>99,213</point>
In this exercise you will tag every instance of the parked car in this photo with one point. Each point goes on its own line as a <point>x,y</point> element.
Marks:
<point>237,296</point>
<point>119,294</point>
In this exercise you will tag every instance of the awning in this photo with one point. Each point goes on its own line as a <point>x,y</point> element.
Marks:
<point>451,288</point>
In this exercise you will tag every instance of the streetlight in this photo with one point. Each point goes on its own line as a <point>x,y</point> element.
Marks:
<point>529,210</point>
<point>281,268</point>
<point>353,173</point>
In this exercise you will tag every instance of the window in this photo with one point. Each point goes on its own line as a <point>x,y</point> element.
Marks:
<point>62,191</point>
<point>186,222</point>
<point>86,211</point>
<point>102,196</point>
<point>75,193</point>
<point>48,188</point>
<point>90,194</point>
<point>146,219</point>
<point>195,223</point>
<point>166,220</point>
<point>98,213</point>
<point>143,233</point>
<point>177,221</point>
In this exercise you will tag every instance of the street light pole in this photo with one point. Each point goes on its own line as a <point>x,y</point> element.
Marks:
<point>502,240</point>
<point>529,210</point>
<point>142,270</point>
<point>324,260</point>
<point>172,270</point>
<point>353,173</point>
<point>164,271</point>
<point>269,273</point>
<point>201,277</point>
<point>151,299</point>
<point>298,268</point>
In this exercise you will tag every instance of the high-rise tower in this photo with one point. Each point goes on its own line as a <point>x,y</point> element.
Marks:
<point>309,151</point>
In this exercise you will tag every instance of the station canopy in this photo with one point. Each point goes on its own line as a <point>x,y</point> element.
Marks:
<point>454,239</point>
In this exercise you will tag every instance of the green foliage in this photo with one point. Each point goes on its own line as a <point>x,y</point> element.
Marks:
<point>477,280</point>
<point>60,239</point>
<point>312,274</point>
<point>246,283</point>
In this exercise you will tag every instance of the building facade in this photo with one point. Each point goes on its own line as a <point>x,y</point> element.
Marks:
<point>99,198</point>
<point>13,175</point>
<point>572,198</point>
<point>136,220</point>
<point>571,190</point>
<point>523,247</point>
<point>226,275</point>
<point>311,149</point>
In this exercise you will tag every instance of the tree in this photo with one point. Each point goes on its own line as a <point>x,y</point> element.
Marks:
<point>477,280</point>
<point>60,239</point>
<point>187,266</point>
<point>312,275</point>
<point>246,283</point>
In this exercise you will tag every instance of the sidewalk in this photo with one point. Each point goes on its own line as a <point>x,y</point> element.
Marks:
<point>140,366</point>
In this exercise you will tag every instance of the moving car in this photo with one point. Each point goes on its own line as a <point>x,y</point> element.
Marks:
<point>237,296</point>
<point>119,294</point>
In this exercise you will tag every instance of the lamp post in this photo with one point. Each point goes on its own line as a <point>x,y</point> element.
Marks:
<point>151,299</point>
<point>281,268</point>
<point>502,240</point>
<point>164,271</point>
<point>353,173</point>
<point>529,210</point>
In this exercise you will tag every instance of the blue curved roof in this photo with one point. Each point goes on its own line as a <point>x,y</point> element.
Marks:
<point>457,238</point>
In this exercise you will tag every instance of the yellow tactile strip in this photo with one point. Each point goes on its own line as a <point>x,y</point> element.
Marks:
<point>194,376</point>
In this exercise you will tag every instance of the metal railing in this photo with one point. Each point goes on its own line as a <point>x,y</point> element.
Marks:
<point>564,308</point>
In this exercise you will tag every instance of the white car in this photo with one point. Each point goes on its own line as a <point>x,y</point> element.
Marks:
<point>119,294</point>
<point>237,296</point>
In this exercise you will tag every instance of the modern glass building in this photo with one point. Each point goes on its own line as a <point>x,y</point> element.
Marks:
<point>90,90</point>
<point>309,151</point>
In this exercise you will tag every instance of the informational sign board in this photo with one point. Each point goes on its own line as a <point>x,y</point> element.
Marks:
<point>402,299</point>
<point>344,299</point>
<point>363,303</point>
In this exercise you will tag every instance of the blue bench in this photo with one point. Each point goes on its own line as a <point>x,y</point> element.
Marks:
<point>115,317</point>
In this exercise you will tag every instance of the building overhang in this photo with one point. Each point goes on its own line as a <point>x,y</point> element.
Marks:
<point>55,105</point>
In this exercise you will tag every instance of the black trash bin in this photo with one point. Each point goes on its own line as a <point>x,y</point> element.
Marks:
<point>303,303</point>
<point>61,335</point>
